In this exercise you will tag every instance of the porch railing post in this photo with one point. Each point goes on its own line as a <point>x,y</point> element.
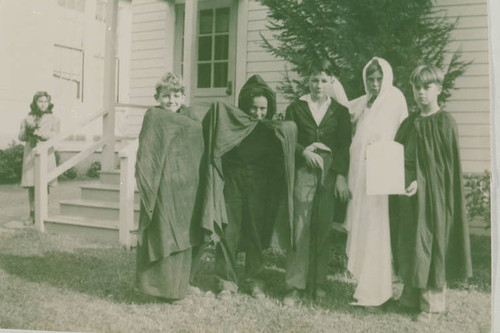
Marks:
<point>109,87</point>
<point>41,194</point>
<point>127,192</point>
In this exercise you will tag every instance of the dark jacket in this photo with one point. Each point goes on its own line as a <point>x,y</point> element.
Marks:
<point>334,131</point>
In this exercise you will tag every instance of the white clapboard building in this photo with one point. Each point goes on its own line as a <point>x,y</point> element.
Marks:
<point>101,59</point>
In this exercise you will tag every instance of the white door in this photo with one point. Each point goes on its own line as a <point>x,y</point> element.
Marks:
<point>214,72</point>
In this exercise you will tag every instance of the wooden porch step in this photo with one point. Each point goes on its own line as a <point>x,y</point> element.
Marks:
<point>105,192</point>
<point>93,229</point>
<point>92,209</point>
<point>110,177</point>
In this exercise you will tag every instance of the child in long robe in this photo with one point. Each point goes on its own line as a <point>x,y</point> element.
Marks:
<point>167,173</point>
<point>250,169</point>
<point>377,116</point>
<point>431,235</point>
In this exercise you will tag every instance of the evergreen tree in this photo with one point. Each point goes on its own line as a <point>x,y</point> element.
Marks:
<point>348,33</point>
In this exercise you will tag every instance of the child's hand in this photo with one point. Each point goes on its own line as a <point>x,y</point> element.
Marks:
<point>39,133</point>
<point>411,189</point>
<point>313,160</point>
<point>342,189</point>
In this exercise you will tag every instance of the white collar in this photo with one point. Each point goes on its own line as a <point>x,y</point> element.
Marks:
<point>307,98</point>
<point>318,111</point>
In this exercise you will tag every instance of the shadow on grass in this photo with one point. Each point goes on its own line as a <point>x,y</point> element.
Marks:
<point>103,273</point>
<point>110,273</point>
<point>481,266</point>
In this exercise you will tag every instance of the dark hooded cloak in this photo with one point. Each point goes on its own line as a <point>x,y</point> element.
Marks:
<point>226,128</point>
<point>429,231</point>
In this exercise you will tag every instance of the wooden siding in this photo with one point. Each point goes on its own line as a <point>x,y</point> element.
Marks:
<point>151,55</point>
<point>469,103</point>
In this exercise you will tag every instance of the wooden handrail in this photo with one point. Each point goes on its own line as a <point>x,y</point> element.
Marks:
<point>75,159</point>
<point>129,149</point>
<point>127,174</point>
<point>135,106</point>
<point>42,174</point>
<point>46,145</point>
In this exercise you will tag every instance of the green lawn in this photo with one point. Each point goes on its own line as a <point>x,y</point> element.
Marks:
<point>55,282</point>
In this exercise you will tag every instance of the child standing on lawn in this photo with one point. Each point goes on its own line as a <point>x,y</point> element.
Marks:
<point>39,125</point>
<point>321,166</point>
<point>430,233</point>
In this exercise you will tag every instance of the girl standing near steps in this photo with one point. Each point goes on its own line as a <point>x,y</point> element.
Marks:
<point>39,125</point>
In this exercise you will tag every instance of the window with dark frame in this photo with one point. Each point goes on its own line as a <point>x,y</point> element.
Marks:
<point>213,48</point>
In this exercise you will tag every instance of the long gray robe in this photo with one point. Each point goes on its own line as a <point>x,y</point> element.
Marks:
<point>167,173</point>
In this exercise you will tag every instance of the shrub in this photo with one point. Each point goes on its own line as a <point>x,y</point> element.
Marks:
<point>93,171</point>
<point>11,163</point>
<point>71,173</point>
<point>477,195</point>
<point>349,33</point>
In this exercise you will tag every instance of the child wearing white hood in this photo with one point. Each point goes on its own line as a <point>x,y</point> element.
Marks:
<point>377,116</point>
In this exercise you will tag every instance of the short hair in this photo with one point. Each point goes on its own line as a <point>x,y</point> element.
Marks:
<point>373,66</point>
<point>426,74</point>
<point>36,96</point>
<point>171,82</point>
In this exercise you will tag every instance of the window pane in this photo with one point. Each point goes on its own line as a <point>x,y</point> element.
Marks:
<point>221,47</point>
<point>222,20</point>
<point>206,17</point>
<point>204,76</point>
<point>220,74</point>
<point>204,48</point>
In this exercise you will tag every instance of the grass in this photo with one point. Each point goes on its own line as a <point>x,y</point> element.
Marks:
<point>57,282</point>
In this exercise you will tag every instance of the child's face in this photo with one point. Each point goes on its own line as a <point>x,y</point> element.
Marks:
<point>170,100</point>
<point>42,103</point>
<point>318,85</point>
<point>258,109</point>
<point>374,83</point>
<point>426,94</point>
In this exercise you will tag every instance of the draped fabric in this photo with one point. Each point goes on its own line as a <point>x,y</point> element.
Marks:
<point>225,127</point>
<point>368,243</point>
<point>167,174</point>
<point>430,233</point>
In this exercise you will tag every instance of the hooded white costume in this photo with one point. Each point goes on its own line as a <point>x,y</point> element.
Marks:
<point>368,243</point>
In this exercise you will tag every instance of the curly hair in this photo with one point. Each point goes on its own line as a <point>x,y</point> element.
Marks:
<point>34,107</point>
<point>171,82</point>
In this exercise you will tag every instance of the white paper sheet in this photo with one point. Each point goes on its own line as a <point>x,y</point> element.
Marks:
<point>385,168</point>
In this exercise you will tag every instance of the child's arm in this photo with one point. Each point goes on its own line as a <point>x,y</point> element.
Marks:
<point>22,132</point>
<point>27,125</point>
<point>47,132</point>
<point>341,156</point>
<point>289,115</point>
